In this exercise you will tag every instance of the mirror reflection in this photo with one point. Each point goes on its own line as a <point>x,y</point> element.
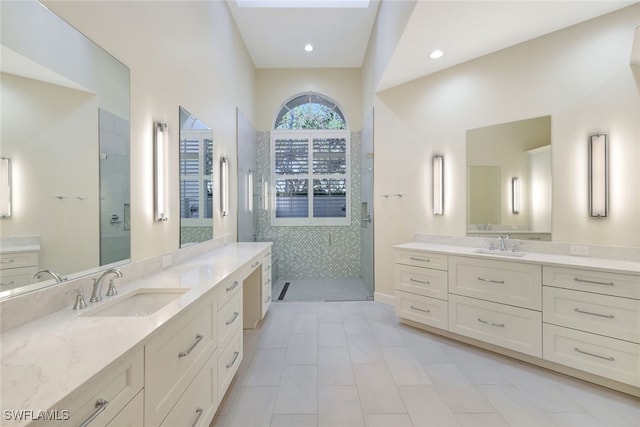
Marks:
<point>509,183</point>
<point>65,128</point>
<point>196,180</point>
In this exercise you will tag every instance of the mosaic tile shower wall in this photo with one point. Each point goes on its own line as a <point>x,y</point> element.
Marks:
<point>313,252</point>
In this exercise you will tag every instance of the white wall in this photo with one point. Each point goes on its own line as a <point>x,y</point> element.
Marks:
<point>580,76</point>
<point>276,86</point>
<point>180,54</point>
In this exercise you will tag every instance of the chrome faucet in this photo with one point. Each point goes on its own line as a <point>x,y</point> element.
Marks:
<point>96,295</point>
<point>51,272</point>
<point>503,242</point>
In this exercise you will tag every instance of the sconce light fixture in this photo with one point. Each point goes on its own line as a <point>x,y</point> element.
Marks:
<point>515,195</point>
<point>250,191</point>
<point>598,176</point>
<point>161,171</point>
<point>438,185</point>
<point>5,186</point>
<point>224,186</point>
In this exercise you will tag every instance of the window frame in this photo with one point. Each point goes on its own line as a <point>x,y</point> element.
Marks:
<point>310,135</point>
<point>202,135</point>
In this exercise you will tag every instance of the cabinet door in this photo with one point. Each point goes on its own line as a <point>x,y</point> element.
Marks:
<point>600,282</point>
<point>131,415</point>
<point>601,314</point>
<point>608,357</point>
<point>230,319</point>
<point>421,259</point>
<point>173,357</point>
<point>422,281</point>
<point>513,283</point>
<point>228,362</point>
<point>514,328</point>
<point>429,311</point>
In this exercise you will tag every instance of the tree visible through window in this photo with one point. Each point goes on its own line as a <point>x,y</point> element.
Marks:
<point>310,163</point>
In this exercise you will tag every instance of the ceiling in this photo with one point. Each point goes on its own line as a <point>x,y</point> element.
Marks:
<point>275,36</point>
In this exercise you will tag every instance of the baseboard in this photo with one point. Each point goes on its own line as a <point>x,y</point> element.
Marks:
<point>384,298</point>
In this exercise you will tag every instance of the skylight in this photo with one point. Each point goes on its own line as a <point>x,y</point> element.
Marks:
<point>304,3</point>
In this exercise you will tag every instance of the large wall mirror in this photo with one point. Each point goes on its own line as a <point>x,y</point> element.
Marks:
<point>509,180</point>
<point>196,180</point>
<point>65,129</point>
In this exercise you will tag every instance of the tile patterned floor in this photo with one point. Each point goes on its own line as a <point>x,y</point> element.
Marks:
<point>323,290</point>
<point>352,364</point>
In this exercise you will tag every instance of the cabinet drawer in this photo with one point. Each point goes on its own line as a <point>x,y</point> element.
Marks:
<point>18,259</point>
<point>601,314</point>
<point>512,283</point>
<point>173,357</point>
<point>132,415</point>
<point>197,405</point>
<point>514,328</point>
<point>117,385</point>
<point>600,282</point>
<point>14,277</point>
<point>229,318</point>
<point>607,357</point>
<point>422,281</point>
<point>228,362</point>
<point>266,298</point>
<point>421,259</point>
<point>429,311</point>
<point>228,289</point>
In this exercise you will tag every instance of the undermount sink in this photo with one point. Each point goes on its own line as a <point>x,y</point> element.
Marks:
<point>141,302</point>
<point>500,253</point>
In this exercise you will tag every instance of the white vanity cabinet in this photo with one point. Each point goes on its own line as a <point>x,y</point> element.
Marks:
<point>498,302</point>
<point>266,282</point>
<point>17,269</point>
<point>107,398</point>
<point>421,288</point>
<point>175,354</point>
<point>592,322</point>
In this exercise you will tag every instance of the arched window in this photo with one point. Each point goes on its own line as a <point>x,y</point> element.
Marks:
<point>310,111</point>
<point>310,163</point>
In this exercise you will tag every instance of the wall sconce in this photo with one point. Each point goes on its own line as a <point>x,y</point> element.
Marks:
<point>250,191</point>
<point>598,176</point>
<point>161,171</point>
<point>515,195</point>
<point>438,185</point>
<point>224,186</point>
<point>5,186</point>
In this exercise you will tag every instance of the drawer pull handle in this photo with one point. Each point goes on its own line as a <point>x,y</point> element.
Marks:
<point>7,284</point>
<point>267,300</point>
<point>419,281</point>
<point>255,264</point>
<point>233,318</point>
<point>199,412</point>
<point>415,258</point>
<point>486,322</point>
<point>420,309</point>
<point>101,405</point>
<point>6,261</point>
<point>267,254</point>
<point>609,358</point>
<point>608,316</point>
<point>233,361</point>
<point>268,281</point>
<point>593,282</point>
<point>190,349</point>
<point>233,286</point>
<point>482,279</point>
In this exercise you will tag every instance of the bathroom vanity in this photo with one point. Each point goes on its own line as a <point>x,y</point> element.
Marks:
<point>166,359</point>
<point>575,315</point>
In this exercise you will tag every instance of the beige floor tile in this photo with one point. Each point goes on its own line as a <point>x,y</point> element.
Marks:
<point>266,368</point>
<point>481,420</point>
<point>332,335</point>
<point>252,407</point>
<point>387,420</point>
<point>339,406</point>
<point>457,390</point>
<point>302,349</point>
<point>334,366</point>
<point>426,407</point>
<point>295,420</point>
<point>404,366</point>
<point>514,406</point>
<point>298,391</point>
<point>378,393</point>
<point>364,348</point>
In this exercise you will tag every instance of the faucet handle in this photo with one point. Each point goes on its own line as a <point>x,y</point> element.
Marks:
<point>80,303</point>
<point>112,288</point>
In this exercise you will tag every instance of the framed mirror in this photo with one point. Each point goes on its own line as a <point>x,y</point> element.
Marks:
<point>196,180</point>
<point>509,183</point>
<point>65,128</point>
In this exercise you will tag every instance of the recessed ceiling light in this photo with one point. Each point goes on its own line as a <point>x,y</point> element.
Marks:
<point>308,47</point>
<point>436,54</point>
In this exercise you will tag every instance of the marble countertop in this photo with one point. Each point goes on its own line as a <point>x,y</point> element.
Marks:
<point>19,244</point>
<point>45,360</point>
<point>611,265</point>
